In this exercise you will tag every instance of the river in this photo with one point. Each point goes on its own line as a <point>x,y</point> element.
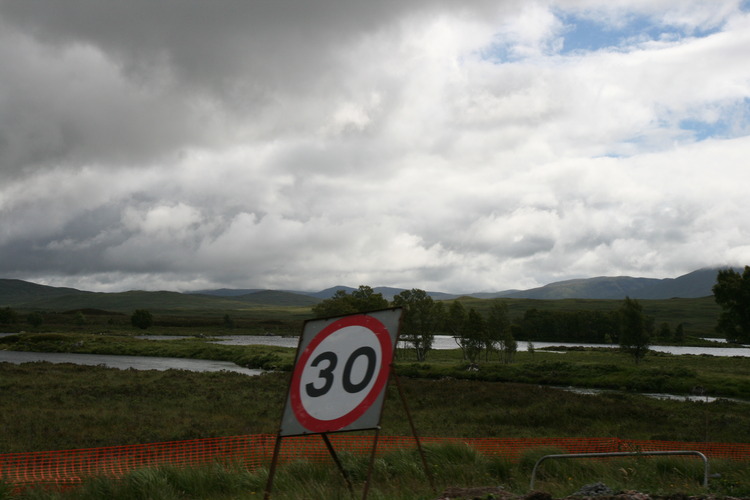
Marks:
<point>447,342</point>
<point>203,365</point>
<point>126,362</point>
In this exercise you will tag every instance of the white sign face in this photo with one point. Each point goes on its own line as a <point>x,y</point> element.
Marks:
<point>341,373</point>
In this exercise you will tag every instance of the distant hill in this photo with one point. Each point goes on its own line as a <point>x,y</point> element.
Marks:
<point>692,285</point>
<point>14,292</point>
<point>278,298</point>
<point>226,292</point>
<point>18,293</point>
<point>601,287</point>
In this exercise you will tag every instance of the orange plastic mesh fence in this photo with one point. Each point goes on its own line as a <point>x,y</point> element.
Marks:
<point>70,467</point>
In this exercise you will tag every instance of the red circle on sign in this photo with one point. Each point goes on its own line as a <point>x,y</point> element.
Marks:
<point>384,339</point>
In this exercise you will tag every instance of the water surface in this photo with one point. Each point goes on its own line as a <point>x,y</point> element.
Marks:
<point>126,362</point>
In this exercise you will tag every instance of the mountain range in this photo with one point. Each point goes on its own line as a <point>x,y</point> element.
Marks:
<point>24,294</point>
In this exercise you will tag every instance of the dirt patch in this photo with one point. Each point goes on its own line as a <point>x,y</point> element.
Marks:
<point>497,493</point>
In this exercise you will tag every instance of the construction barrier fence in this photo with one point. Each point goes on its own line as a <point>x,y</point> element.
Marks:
<point>71,467</point>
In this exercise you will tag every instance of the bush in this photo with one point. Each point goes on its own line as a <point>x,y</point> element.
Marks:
<point>142,319</point>
<point>8,316</point>
<point>35,319</point>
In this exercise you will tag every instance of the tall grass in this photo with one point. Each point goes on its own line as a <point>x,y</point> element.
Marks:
<point>49,407</point>
<point>399,475</point>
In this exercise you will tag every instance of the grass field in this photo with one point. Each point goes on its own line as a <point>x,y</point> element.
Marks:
<point>48,406</point>
<point>51,407</point>
<point>68,406</point>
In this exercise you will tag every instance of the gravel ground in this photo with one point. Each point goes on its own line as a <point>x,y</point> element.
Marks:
<point>596,491</point>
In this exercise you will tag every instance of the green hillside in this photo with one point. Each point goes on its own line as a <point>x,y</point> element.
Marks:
<point>17,292</point>
<point>127,301</point>
<point>278,298</point>
<point>40,297</point>
<point>697,315</point>
<point>600,287</point>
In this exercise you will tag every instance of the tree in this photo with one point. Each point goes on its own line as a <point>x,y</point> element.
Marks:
<point>364,299</point>
<point>142,319</point>
<point>420,320</point>
<point>665,332</point>
<point>80,319</point>
<point>732,293</point>
<point>474,334</point>
<point>338,305</point>
<point>8,316</point>
<point>498,326</point>
<point>509,347</point>
<point>35,319</point>
<point>454,324</point>
<point>228,321</point>
<point>679,333</point>
<point>634,332</point>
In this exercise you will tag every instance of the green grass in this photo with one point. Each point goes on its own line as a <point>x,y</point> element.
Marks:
<point>63,406</point>
<point>47,406</point>
<point>400,475</point>
<point>600,369</point>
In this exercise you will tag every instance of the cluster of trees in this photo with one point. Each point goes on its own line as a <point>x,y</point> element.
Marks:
<point>424,318</point>
<point>420,322</point>
<point>361,300</point>
<point>494,333</point>
<point>732,293</point>
<point>141,318</point>
<point>569,326</point>
<point>476,334</point>
<point>9,316</point>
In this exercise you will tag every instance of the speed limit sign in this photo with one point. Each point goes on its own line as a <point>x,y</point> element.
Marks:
<point>340,374</point>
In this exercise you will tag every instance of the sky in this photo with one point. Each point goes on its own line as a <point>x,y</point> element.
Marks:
<point>462,147</point>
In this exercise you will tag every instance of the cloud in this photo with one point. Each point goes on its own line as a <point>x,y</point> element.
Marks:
<point>423,144</point>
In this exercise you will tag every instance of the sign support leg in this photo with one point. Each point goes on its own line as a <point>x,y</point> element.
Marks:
<point>414,432</point>
<point>371,465</point>
<point>272,469</point>
<point>338,462</point>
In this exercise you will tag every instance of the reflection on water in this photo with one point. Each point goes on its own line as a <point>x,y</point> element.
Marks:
<point>446,342</point>
<point>125,362</point>
<point>657,395</point>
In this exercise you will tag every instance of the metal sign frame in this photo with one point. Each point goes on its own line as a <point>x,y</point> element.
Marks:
<point>339,382</point>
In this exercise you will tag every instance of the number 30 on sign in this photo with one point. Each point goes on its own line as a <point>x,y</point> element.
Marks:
<point>340,374</point>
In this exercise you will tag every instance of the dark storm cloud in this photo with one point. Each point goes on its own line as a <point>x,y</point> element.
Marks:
<point>302,144</point>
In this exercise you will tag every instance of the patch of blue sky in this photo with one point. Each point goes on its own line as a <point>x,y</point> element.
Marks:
<point>701,130</point>
<point>585,34</point>
<point>588,35</point>
<point>733,121</point>
<point>499,52</point>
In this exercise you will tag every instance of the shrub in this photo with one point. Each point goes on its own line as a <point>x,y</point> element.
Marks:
<point>142,319</point>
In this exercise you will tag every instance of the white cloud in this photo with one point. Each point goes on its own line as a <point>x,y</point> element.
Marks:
<point>412,145</point>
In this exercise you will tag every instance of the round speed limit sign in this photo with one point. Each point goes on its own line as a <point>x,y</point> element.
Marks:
<point>341,374</point>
